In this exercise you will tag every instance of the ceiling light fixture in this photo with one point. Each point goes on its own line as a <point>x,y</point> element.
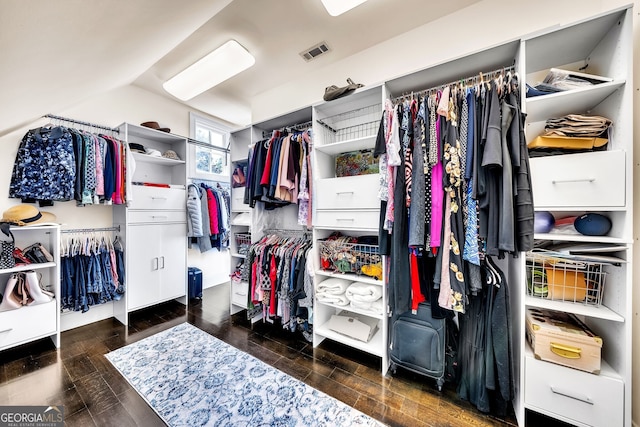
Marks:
<point>221,64</point>
<point>338,7</point>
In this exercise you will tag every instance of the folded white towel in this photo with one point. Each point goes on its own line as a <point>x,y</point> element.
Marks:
<point>333,285</point>
<point>326,298</point>
<point>374,307</point>
<point>363,292</point>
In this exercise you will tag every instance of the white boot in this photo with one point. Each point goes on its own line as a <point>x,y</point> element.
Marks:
<point>39,295</point>
<point>11,298</point>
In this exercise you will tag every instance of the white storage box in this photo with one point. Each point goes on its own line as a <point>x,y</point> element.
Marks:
<point>353,325</point>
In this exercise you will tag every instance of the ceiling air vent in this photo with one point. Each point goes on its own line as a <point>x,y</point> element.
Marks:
<point>315,51</point>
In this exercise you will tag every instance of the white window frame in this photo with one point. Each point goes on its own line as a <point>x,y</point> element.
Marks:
<point>196,120</point>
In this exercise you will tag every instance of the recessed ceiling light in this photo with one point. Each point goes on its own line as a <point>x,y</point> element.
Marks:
<point>221,64</point>
<point>338,7</point>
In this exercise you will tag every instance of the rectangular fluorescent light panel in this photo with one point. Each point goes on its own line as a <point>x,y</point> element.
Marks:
<point>221,64</point>
<point>338,7</point>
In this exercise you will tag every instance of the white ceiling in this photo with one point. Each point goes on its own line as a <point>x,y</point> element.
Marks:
<point>56,54</point>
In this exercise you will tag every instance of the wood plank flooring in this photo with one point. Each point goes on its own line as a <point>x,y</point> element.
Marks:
<point>93,393</point>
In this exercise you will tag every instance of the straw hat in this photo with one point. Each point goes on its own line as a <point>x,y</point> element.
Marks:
<point>27,215</point>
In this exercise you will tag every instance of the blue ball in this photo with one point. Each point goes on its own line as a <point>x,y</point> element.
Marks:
<point>543,222</point>
<point>592,224</point>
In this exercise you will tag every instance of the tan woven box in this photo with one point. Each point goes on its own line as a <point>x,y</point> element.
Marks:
<point>563,339</point>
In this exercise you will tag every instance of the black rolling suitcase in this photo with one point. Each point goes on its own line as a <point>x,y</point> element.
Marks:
<point>195,282</point>
<point>418,344</point>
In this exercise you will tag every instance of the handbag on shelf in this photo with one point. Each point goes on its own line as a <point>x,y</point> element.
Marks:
<point>19,258</point>
<point>15,294</point>
<point>37,253</point>
<point>238,178</point>
<point>7,247</point>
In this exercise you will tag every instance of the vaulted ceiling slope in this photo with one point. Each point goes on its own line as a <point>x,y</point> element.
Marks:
<point>56,54</point>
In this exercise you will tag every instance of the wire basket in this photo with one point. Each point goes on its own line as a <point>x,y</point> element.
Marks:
<point>346,257</point>
<point>565,279</point>
<point>355,124</point>
<point>243,241</point>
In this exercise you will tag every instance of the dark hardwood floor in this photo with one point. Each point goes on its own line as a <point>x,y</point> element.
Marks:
<point>79,377</point>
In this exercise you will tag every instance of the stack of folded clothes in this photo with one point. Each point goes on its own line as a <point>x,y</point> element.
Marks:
<point>332,291</point>
<point>572,133</point>
<point>365,297</point>
<point>558,80</point>
<point>577,125</point>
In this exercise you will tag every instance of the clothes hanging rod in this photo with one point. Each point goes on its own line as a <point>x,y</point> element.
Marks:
<point>481,75</point>
<point>91,230</point>
<point>209,181</point>
<point>288,233</point>
<point>93,125</point>
<point>207,145</point>
<point>300,127</point>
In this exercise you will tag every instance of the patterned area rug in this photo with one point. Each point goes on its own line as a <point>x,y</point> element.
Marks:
<point>191,378</point>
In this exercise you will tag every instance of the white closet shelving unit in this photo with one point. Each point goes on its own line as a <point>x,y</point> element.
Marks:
<point>29,323</point>
<point>260,220</point>
<point>347,204</point>
<point>566,185</point>
<point>240,218</point>
<point>154,223</point>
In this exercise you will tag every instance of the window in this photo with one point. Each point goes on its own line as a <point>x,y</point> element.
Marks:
<point>209,163</point>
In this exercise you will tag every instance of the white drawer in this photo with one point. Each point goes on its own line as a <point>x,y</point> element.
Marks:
<point>349,192</point>
<point>345,219</point>
<point>596,400</point>
<point>237,199</point>
<point>27,323</point>
<point>239,293</point>
<point>575,180</point>
<point>158,198</point>
<point>157,216</point>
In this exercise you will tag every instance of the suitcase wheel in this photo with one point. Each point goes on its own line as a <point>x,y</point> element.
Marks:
<point>440,383</point>
<point>393,368</point>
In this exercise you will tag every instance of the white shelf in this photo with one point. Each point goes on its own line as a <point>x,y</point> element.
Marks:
<point>351,277</point>
<point>352,309</point>
<point>605,369</point>
<point>27,267</point>
<point>356,144</point>
<point>237,255</point>
<point>598,312</point>
<point>375,346</point>
<point>569,102</point>
<point>146,158</point>
<point>240,159</point>
<point>579,238</point>
<point>136,131</point>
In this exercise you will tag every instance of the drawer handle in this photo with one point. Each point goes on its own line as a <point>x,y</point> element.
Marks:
<point>159,216</point>
<point>566,351</point>
<point>158,198</point>
<point>6,330</point>
<point>563,181</point>
<point>338,193</point>
<point>345,219</point>
<point>571,395</point>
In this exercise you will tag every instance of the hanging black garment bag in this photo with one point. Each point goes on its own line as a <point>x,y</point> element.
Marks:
<point>418,343</point>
